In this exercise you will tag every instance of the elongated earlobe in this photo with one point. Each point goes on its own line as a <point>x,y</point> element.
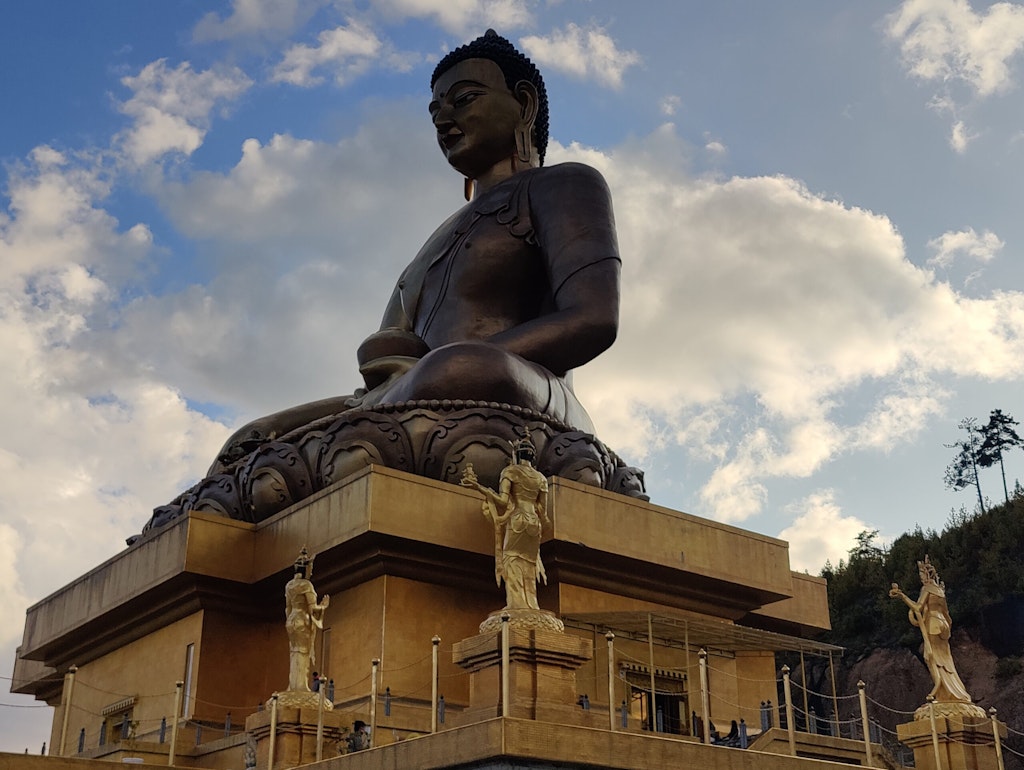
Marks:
<point>469,188</point>
<point>523,143</point>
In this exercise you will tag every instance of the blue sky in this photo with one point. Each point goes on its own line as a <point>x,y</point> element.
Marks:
<point>203,208</point>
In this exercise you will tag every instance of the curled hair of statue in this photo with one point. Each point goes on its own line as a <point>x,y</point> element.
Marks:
<point>514,65</point>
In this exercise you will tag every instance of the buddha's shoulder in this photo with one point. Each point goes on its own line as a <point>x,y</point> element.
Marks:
<point>569,185</point>
<point>568,173</point>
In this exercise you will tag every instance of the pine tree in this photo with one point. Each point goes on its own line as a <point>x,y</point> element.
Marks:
<point>999,436</point>
<point>963,471</point>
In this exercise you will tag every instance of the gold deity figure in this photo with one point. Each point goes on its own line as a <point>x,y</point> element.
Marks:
<point>931,615</point>
<point>518,512</point>
<point>303,616</point>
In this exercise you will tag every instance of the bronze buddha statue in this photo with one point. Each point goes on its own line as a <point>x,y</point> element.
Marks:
<point>511,293</point>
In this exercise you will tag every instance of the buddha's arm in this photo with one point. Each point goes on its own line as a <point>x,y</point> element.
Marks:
<point>583,326</point>
<point>575,230</point>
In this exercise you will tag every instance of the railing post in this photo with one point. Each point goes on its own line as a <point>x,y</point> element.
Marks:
<point>374,666</point>
<point>790,722</point>
<point>610,637</point>
<point>174,722</point>
<point>435,641</point>
<point>69,691</point>
<point>996,737</point>
<point>273,732</point>
<point>321,694</point>
<point>935,732</point>
<point>505,659</point>
<point>744,742</point>
<point>864,722</point>
<point>705,705</point>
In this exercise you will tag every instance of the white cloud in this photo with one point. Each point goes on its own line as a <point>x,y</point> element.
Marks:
<point>758,292</point>
<point>304,240</point>
<point>943,40</point>
<point>13,599</point>
<point>899,416</point>
<point>820,532</point>
<point>584,53</point>
<point>462,17</point>
<point>91,441</point>
<point>960,137</point>
<point>256,18</point>
<point>967,243</point>
<point>54,238</point>
<point>171,107</point>
<point>346,51</point>
<point>670,104</point>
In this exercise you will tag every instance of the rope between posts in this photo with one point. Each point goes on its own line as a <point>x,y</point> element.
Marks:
<point>824,695</point>
<point>887,708</point>
<point>1011,730</point>
<point>410,665</point>
<point>225,706</point>
<point>1005,747</point>
<point>720,699</point>
<point>121,695</point>
<point>620,653</point>
<point>731,675</point>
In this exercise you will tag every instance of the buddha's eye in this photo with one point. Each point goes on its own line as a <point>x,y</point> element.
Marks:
<point>465,98</point>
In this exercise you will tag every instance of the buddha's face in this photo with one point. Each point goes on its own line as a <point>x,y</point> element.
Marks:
<point>475,115</point>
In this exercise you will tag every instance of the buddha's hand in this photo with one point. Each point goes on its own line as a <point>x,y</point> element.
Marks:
<point>895,592</point>
<point>385,374</point>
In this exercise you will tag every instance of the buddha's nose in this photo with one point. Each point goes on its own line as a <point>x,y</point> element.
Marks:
<point>442,120</point>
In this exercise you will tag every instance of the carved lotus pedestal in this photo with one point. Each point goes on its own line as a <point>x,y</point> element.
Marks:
<point>965,735</point>
<point>295,743</point>
<point>435,439</point>
<point>542,669</point>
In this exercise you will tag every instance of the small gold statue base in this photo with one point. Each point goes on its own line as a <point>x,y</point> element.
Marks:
<point>300,699</point>
<point>527,620</point>
<point>542,672</point>
<point>964,738</point>
<point>950,709</point>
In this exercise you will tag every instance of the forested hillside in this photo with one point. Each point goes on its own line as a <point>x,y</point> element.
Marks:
<point>980,557</point>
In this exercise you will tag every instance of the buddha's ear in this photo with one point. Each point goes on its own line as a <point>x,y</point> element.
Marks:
<point>526,94</point>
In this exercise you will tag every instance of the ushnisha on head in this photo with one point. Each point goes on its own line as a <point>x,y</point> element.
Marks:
<point>490,110</point>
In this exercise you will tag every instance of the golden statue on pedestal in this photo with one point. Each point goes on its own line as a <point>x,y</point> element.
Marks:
<point>518,513</point>
<point>303,616</point>
<point>931,615</point>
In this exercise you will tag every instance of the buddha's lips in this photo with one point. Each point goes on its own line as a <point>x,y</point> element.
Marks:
<point>450,139</point>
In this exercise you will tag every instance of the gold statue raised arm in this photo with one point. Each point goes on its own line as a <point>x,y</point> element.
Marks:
<point>518,513</point>
<point>931,615</point>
